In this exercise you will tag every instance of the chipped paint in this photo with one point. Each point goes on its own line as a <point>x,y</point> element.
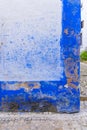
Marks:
<point>66,31</point>
<point>27,86</point>
<point>55,84</point>
<point>71,71</point>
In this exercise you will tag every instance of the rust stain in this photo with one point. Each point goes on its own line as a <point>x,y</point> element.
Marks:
<point>17,86</point>
<point>23,85</point>
<point>36,86</point>
<point>66,31</point>
<point>28,87</point>
<point>72,85</point>
<point>82,98</point>
<point>71,71</point>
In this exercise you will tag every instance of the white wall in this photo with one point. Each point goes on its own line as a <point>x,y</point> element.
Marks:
<point>84,30</point>
<point>30,31</point>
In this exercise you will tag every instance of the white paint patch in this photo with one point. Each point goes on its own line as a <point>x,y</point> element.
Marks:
<point>30,33</point>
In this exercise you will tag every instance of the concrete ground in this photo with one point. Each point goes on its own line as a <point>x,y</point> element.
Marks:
<point>50,121</point>
<point>45,121</point>
<point>83,82</point>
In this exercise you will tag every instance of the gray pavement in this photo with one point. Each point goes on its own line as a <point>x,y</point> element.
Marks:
<point>44,121</point>
<point>83,80</point>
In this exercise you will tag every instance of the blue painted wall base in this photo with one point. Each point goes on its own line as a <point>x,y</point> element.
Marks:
<point>50,96</point>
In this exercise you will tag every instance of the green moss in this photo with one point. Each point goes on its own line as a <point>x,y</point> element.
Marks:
<point>83,56</point>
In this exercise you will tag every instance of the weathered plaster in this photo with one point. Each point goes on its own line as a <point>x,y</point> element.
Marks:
<point>60,95</point>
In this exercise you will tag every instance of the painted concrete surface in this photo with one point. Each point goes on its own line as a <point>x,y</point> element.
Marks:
<point>39,56</point>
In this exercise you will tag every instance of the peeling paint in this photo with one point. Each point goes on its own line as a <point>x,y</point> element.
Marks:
<point>27,86</point>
